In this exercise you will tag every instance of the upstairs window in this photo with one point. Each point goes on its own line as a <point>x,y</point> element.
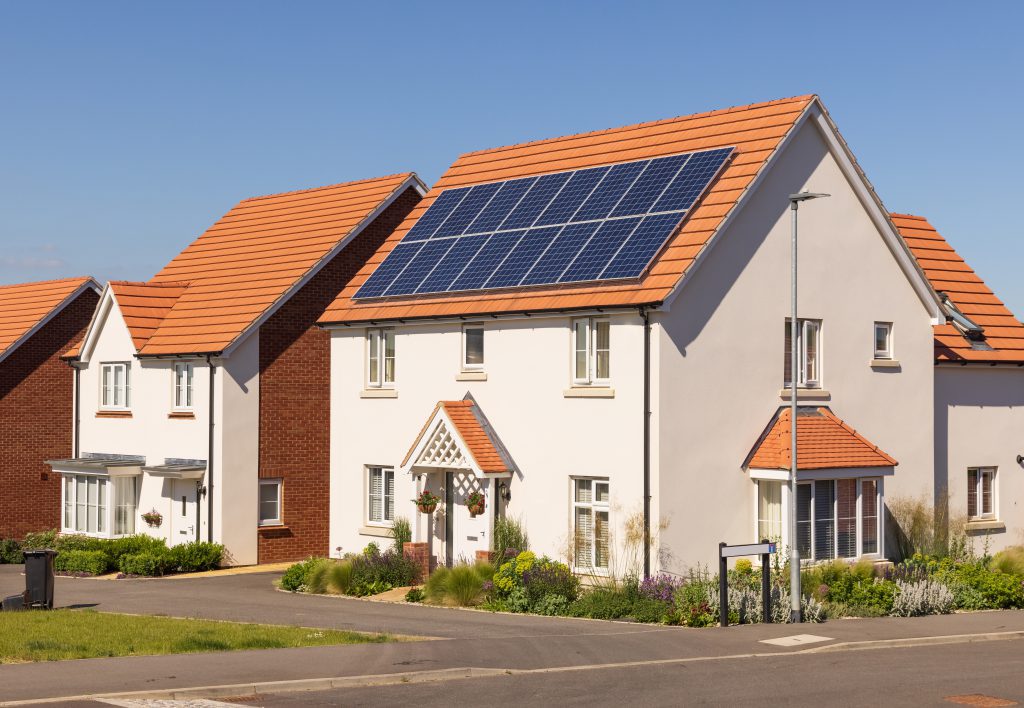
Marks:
<point>473,347</point>
<point>591,351</point>
<point>981,493</point>
<point>114,387</point>
<point>808,345</point>
<point>883,340</point>
<point>380,352</point>
<point>183,386</point>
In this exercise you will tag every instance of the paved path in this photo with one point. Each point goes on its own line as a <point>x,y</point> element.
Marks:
<point>463,638</point>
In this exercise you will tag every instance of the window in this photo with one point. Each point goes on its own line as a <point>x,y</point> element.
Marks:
<point>591,351</point>
<point>380,350</point>
<point>769,510</point>
<point>270,502</point>
<point>808,347</point>
<point>87,506</point>
<point>590,520</point>
<point>883,340</point>
<point>114,388</point>
<point>183,386</point>
<point>380,488</point>
<point>981,492</point>
<point>837,518</point>
<point>473,347</point>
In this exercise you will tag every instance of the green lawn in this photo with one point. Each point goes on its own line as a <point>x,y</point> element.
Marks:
<point>82,634</point>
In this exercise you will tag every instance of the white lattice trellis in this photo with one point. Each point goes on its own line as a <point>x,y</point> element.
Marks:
<point>442,450</point>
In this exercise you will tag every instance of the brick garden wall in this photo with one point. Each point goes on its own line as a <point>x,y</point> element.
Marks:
<point>37,420</point>
<point>295,397</point>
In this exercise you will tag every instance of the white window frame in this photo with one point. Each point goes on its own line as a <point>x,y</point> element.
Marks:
<point>595,506</point>
<point>591,325</point>
<point>781,521</point>
<point>279,484</point>
<point>886,353</point>
<point>466,365</point>
<point>835,520</point>
<point>385,472</point>
<point>184,372</point>
<point>376,340</point>
<point>981,473</point>
<point>112,367</point>
<point>805,328</point>
<point>104,513</point>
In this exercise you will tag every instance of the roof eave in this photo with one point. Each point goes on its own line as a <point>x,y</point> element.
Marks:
<point>88,284</point>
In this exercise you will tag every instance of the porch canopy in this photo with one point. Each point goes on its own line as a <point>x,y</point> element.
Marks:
<point>178,469</point>
<point>100,464</point>
<point>457,436</point>
<point>824,442</point>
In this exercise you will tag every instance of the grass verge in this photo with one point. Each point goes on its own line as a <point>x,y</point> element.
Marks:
<point>84,634</point>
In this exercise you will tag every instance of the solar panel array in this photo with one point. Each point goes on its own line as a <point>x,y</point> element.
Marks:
<point>598,223</point>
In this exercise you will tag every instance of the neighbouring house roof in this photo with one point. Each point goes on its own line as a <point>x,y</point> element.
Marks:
<point>756,131</point>
<point>948,273</point>
<point>823,442</point>
<point>26,307</point>
<point>470,427</point>
<point>236,273</point>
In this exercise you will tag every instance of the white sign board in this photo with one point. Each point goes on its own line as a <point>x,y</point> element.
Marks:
<point>747,549</point>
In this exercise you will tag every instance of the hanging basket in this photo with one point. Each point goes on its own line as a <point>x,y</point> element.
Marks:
<point>427,508</point>
<point>153,518</point>
<point>476,503</point>
<point>476,509</point>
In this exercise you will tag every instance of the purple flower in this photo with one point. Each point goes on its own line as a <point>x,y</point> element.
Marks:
<point>660,587</point>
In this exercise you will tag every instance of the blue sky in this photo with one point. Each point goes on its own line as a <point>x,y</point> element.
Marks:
<point>127,128</point>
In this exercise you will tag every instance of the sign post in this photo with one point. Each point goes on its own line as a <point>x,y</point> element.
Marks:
<point>764,549</point>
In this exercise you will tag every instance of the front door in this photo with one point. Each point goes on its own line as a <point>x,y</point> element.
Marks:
<point>463,534</point>
<point>183,511</point>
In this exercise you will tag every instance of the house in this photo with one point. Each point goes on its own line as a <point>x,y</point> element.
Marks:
<point>39,322</point>
<point>203,389</point>
<point>979,396</point>
<point>593,333</point>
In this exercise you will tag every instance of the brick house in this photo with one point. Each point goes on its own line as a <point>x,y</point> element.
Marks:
<point>39,322</point>
<point>205,388</point>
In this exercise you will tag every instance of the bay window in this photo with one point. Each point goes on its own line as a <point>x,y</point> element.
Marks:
<point>591,351</point>
<point>590,524</point>
<point>88,509</point>
<point>808,353</point>
<point>837,518</point>
<point>769,510</point>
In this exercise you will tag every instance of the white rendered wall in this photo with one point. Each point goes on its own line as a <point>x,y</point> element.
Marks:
<point>549,436</point>
<point>149,431</point>
<point>979,422</point>
<point>721,350</point>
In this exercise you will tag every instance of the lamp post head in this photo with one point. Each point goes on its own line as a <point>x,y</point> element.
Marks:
<point>795,199</point>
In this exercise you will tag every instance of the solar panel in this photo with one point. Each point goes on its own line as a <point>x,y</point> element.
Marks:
<point>598,223</point>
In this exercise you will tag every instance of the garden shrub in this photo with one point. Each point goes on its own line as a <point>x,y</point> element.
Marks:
<point>461,585</point>
<point>295,577</point>
<point>39,540</point>
<point>91,562</point>
<point>661,587</point>
<point>147,563</point>
<point>510,538</point>
<point>10,552</point>
<point>376,572</point>
<point>602,603</point>
<point>316,579</point>
<point>1009,561</point>
<point>196,556</point>
<point>535,578</point>
<point>552,605</point>
<point>976,587</point>
<point>401,532</point>
<point>80,542</point>
<point>414,595</point>
<point>924,597</point>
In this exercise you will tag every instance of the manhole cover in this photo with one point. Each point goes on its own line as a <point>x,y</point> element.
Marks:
<point>796,640</point>
<point>980,700</point>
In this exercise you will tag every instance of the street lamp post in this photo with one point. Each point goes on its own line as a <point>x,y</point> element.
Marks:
<point>794,553</point>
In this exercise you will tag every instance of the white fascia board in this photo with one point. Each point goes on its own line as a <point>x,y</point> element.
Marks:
<point>769,475</point>
<point>808,475</point>
<point>89,284</point>
<point>99,317</point>
<point>412,181</point>
<point>441,415</point>
<point>489,317</point>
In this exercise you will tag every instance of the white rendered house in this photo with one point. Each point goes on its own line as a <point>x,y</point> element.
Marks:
<point>645,402</point>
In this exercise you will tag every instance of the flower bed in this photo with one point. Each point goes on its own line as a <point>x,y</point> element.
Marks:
<point>369,573</point>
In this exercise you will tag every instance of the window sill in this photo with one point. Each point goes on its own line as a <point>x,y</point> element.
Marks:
<point>589,392</point>
<point>381,531</point>
<point>378,393</point>
<point>471,376</point>
<point>806,394</point>
<point>113,414</point>
<point>273,527</point>
<point>885,364</point>
<point>986,525</point>
<point>181,415</point>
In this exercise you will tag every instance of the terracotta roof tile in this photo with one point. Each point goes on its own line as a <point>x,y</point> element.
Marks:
<point>948,273</point>
<point>823,442</point>
<point>25,306</point>
<point>465,415</point>
<point>755,131</point>
<point>220,285</point>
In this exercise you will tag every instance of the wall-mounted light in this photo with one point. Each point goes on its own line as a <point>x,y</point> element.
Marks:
<point>1020,459</point>
<point>505,492</point>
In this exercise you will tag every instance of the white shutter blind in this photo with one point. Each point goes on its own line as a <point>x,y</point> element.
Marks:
<point>389,495</point>
<point>376,502</point>
<point>584,534</point>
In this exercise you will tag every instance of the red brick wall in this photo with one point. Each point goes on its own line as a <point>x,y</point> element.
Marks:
<point>295,397</point>
<point>37,419</point>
